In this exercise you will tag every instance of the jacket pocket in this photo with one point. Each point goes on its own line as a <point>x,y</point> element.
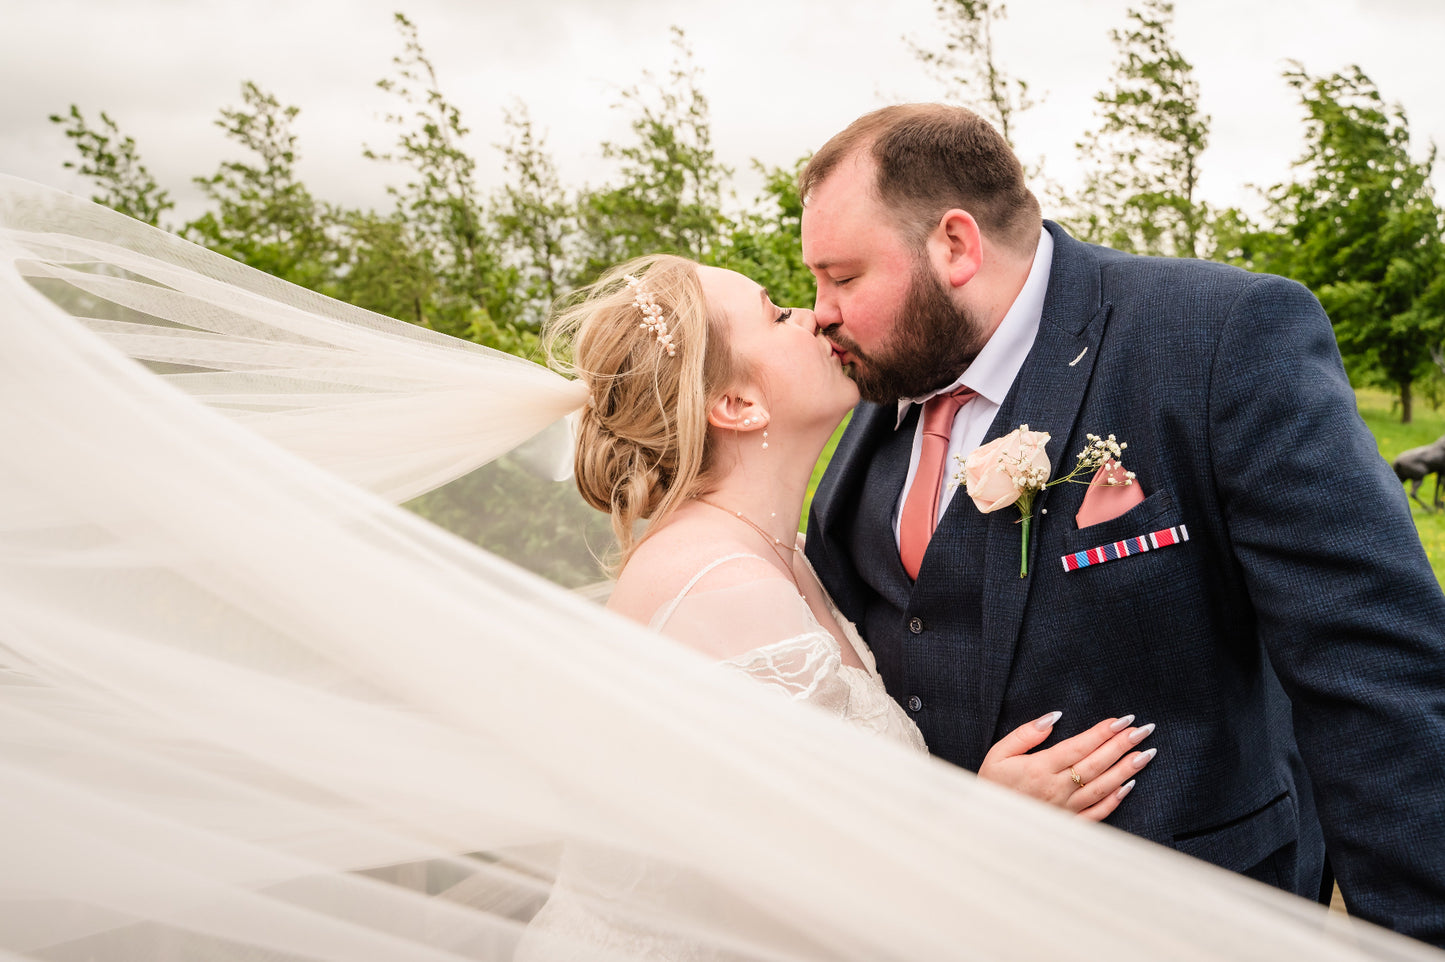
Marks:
<point>1156,511</point>
<point>1244,842</point>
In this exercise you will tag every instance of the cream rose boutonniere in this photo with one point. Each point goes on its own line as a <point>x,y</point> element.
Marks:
<point>1013,469</point>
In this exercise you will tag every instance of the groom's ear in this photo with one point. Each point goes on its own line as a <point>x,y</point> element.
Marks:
<point>956,247</point>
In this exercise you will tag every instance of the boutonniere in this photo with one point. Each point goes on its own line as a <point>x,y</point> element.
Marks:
<point>1013,469</point>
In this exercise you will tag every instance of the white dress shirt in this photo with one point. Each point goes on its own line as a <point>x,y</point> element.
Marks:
<point>991,374</point>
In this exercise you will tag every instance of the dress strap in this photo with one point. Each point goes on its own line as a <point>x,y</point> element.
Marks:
<point>665,612</point>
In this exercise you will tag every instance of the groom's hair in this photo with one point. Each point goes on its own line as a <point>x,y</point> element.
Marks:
<point>932,158</point>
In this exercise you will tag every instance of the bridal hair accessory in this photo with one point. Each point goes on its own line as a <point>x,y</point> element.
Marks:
<point>646,302</point>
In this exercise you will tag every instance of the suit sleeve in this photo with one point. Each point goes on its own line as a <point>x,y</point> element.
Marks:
<point>1348,609</point>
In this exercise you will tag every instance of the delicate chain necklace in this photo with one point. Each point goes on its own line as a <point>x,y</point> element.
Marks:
<point>775,543</point>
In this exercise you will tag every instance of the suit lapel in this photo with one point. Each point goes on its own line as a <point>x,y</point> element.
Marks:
<point>881,491</point>
<point>834,503</point>
<point>1047,395</point>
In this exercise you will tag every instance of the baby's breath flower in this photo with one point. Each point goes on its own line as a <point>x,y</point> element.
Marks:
<point>1019,457</point>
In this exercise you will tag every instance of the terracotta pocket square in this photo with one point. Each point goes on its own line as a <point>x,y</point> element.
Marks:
<point>1108,496</point>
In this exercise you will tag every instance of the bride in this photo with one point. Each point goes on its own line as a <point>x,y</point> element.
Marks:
<point>707,409</point>
<point>251,709</point>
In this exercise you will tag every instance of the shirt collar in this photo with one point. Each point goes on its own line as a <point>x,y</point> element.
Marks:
<point>992,373</point>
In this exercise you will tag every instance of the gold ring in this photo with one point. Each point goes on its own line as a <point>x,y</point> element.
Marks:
<point>1078,779</point>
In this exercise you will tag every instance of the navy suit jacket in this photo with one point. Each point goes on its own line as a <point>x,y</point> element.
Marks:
<point>1292,651</point>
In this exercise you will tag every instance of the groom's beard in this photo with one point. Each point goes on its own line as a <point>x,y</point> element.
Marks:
<point>933,341</point>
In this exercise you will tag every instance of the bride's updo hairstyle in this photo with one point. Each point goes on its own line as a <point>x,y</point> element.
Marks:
<point>641,438</point>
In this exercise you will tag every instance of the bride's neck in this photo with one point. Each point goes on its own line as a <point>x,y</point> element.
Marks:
<point>768,485</point>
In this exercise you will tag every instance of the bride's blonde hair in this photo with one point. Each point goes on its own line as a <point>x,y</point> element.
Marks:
<point>641,439</point>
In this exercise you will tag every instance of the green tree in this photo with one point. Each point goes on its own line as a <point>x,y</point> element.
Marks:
<point>535,218</point>
<point>1142,162</point>
<point>442,209</point>
<point>670,193</point>
<point>1360,227</point>
<point>264,215</point>
<point>968,66</point>
<point>111,160</point>
<point>766,241</point>
<point>380,266</point>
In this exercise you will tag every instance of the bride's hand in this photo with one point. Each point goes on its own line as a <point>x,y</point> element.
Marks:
<point>1088,774</point>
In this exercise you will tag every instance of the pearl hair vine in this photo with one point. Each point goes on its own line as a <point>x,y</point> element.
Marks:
<point>646,302</point>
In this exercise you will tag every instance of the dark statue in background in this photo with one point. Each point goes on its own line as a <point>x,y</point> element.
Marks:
<point>1417,464</point>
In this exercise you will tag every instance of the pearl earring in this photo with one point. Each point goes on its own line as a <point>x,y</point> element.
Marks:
<point>765,440</point>
<point>747,422</point>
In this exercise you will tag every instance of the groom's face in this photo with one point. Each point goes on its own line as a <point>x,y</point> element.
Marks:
<point>889,316</point>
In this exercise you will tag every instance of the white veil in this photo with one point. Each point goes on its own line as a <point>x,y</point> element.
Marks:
<point>251,709</point>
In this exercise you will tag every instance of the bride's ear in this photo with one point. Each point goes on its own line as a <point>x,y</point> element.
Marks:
<point>737,412</point>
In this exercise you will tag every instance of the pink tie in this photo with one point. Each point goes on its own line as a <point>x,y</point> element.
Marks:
<point>920,508</point>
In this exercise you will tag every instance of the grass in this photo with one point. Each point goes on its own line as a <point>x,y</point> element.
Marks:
<point>1383,419</point>
<point>1381,415</point>
<point>823,460</point>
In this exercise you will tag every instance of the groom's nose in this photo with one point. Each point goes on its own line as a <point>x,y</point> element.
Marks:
<point>825,309</point>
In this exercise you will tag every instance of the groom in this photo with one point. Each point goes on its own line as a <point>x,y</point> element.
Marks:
<point>1260,593</point>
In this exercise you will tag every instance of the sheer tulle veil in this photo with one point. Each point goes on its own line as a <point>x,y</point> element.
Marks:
<point>250,708</point>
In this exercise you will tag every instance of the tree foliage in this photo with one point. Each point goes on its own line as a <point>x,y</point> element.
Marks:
<point>264,216</point>
<point>441,208</point>
<point>968,64</point>
<point>535,218</point>
<point>1358,223</point>
<point>1361,227</point>
<point>766,241</point>
<point>668,196</point>
<point>1142,161</point>
<point>112,162</point>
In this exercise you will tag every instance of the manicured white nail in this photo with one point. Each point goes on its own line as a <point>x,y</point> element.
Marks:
<point>1124,789</point>
<point>1122,723</point>
<point>1142,759</point>
<point>1139,734</point>
<point>1047,722</point>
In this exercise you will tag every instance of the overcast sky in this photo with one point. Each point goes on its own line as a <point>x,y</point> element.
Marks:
<point>782,75</point>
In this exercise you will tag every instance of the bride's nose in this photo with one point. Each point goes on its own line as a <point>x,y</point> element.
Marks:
<point>805,319</point>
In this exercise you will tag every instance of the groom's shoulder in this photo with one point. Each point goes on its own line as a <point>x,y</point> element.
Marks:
<point>1190,289</point>
<point>1122,271</point>
<point>1119,269</point>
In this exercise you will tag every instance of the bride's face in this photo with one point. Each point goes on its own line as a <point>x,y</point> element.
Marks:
<point>792,364</point>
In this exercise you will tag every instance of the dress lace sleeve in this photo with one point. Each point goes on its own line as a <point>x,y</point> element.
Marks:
<point>761,628</point>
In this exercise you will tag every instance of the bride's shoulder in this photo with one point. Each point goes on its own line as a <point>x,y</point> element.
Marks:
<point>670,561</point>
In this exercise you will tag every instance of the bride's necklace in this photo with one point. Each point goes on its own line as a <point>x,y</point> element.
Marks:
<point>775,543</point>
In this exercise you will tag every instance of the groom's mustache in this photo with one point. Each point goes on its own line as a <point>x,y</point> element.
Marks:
<point>844,344</point>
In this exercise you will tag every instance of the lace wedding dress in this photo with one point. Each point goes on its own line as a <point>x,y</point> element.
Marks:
<point>592,909</point>
<point>805,662</point>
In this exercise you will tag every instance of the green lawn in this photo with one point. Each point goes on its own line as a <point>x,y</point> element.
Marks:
<point>823,460</point>
<point>1392,437</point>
